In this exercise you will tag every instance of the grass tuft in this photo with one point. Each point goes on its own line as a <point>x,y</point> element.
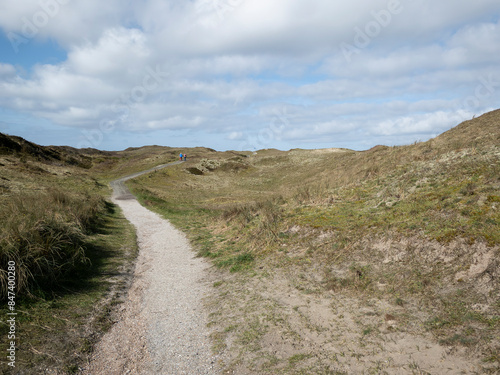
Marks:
<point>45,234</point>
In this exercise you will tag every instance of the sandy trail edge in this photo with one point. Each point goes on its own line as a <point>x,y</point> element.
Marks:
<point>162,324</point>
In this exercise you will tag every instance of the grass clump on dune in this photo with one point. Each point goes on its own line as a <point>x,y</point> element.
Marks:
<point>45,234</point>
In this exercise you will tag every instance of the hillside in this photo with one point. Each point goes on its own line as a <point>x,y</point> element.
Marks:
<point>73,252</point>
<point>21,148</point>
<point>334,262</point>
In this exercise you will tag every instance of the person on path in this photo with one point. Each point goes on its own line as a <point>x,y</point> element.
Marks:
<point>185,157</point>
<point>180,156</point>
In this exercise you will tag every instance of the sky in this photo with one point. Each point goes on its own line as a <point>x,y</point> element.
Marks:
<point>245,74</point>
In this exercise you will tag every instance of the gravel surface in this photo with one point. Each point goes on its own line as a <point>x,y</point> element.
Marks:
<point>162,327</point>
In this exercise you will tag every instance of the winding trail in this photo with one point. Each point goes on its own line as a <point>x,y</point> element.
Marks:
<point>162,327</point>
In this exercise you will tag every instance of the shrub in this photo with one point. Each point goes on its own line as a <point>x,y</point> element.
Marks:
<point>206,165</point>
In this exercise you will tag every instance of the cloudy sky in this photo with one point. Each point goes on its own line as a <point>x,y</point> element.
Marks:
<point>245,74</point>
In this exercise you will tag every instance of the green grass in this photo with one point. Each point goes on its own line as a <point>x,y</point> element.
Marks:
<point>442,211</point>
<point>45,234</point>
<point>58,328</point>
<point>224,253</point>
<point>236,263</point>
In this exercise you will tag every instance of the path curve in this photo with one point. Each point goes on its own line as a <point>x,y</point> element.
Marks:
<point>121,191</point>
<point>162,327</point>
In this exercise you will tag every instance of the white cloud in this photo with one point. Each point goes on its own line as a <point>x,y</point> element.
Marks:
<point>416,124</point>
<point>224,66</point>
<point>7,70</point>
<point>118,51</point>
<point>175,122</point>
<point>68,22</point>
<point>235,136</point>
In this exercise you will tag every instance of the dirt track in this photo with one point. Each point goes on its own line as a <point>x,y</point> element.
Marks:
<point>162,326</point>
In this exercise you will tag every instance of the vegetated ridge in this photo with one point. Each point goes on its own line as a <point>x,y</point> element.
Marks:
<point>337,261</point>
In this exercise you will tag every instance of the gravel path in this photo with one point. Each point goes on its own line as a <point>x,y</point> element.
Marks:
<point>162,326</point>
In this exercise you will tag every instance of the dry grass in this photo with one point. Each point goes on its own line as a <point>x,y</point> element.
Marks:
<point>73,253</point>
<point>44,234</point>
<point>414,227</point>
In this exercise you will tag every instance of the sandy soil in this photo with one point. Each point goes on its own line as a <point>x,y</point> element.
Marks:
<point>162,327</point>
<point>274,328</point>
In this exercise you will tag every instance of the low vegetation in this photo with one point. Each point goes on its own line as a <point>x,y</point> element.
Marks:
<point>45,235</point>
<point>73,255</point>
<point>409,232</point>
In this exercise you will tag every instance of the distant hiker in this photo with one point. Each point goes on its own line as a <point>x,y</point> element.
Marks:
<point>185,157</point>
<point>180,156</point>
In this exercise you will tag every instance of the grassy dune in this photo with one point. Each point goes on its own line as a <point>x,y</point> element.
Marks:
<point>412,230</point>
<point>73,252</point>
